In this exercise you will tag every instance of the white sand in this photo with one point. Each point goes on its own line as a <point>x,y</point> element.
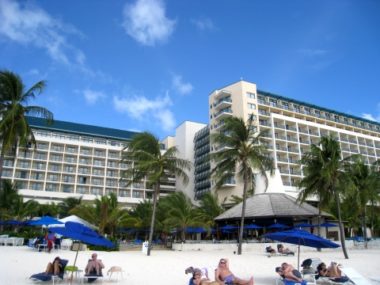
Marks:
<point>167,267</point>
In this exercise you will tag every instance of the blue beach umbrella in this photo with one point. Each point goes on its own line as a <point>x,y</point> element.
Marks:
<point>228,228</point>
<point>303,225</point>
<point>44,221</point>
<point>328,225</point>
<point>195,230</point>
<point>252,227</point>
<point>300,237</point>
<point>277,226</point>
<point>83,234</point>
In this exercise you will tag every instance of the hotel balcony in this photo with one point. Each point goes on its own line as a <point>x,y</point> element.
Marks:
<point>222,93</point>
<point>223,103</point>
<point>227,112</point>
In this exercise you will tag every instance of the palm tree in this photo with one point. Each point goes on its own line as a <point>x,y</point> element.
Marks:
<point>364,188</point>
<point>148,162</point>
<point>242,151</point>
<point>14,99</point>
<point>209,208</point>
<point>68,204</point>
<point>180,212</point>
<point>105,212</point>
<point>8,198</point>
<point>323,176</point>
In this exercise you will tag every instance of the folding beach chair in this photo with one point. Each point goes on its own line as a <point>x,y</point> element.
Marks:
<point>50,277</point>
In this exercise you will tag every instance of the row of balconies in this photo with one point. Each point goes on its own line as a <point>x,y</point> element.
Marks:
<point>317,113</point>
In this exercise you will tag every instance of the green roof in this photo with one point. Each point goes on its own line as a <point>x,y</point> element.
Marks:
<point>80,129</point>
<point>315,107</point>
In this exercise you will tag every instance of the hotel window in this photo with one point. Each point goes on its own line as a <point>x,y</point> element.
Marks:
<point>67,179</point>
<point>97,181</point>
<point>96,191</point>
<point>22,174</point>
<point>124,193</point>
<point>68,168</point>
<point>41,156</point>
<point>71,149</point>
<point>54,167</point>
<point>67,188</point>
<point>56,147</point>
<point>273,102</point>
<point>251,95</point>
<point>285,105</point>
<point>85,151</point>
<point>296,108</point>
<point>39,165</point>
<point>71,159</point>
<point>53,177</point>
<point>97,171</point>
<point>51,187</point>
<point>82,180</point>
<point>36,186</point>
<point>251,106</point>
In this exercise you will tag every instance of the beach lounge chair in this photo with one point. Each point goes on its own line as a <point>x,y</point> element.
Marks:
<point>50,277</point>
<point>355,276</point>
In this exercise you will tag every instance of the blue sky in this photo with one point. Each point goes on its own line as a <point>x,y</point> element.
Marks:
<point>151,64</point>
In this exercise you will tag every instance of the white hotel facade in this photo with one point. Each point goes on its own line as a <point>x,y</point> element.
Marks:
<point>291,127</point>
<point>77,160</point>
<point>82,160</point>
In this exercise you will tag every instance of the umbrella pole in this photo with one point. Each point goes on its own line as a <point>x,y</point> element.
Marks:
<point>298,259</point>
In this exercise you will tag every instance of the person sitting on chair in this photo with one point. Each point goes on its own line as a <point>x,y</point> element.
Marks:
<point>283,250</point>
<point>94,267</point>
<point>54,267</point>
<point>223,275</point>
<point>333,272</point>
<point>288,272</point>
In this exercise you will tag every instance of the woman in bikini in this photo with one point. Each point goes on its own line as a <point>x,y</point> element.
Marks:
<point>223,275</point>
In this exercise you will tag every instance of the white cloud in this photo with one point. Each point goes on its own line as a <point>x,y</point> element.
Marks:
<point>181,87</point>
<point>92,96</point>
<point>371,117</point>
<point>146,22</point>
<point>142,108</point>
<point>32,26</point>
<point>204,24</point>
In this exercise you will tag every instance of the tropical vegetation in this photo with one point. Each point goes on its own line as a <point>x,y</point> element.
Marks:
<point>149,162</point>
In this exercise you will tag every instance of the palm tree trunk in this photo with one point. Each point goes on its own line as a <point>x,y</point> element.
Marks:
<point>155,196</point>
<point>1,169</point>
<point>319,222</point>
<point>341,230</point>
<point>241,230</point>
<point>364,225</point>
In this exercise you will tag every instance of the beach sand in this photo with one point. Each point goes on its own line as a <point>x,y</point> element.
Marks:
<point>166,267</point>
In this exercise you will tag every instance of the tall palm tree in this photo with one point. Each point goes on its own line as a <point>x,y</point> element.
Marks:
<point>14,99</point>
<point>154,165</point>
<point>323,176</point>
<point>364,188</point>
<point>241,152</point>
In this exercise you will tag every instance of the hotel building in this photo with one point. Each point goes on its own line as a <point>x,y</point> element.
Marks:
<point>290,127</point>
<point>72,159</point>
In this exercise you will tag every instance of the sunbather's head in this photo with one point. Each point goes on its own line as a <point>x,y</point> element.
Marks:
<point>222,262</point>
